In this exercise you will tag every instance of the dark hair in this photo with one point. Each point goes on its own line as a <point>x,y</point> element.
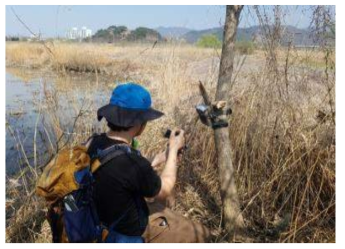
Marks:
<point>117,128</point>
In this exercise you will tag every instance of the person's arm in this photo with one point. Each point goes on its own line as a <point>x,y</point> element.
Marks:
<point>168,176</point>
<point>160,159</point>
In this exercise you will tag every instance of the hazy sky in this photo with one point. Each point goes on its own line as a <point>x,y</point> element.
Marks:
<point>55,20</point>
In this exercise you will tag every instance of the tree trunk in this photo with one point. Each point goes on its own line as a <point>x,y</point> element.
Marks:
<point>232,217</point>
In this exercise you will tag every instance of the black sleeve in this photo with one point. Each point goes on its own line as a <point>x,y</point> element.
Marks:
<point>148,182</point>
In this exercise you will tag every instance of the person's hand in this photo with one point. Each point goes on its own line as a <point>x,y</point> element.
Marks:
<point>159,159</point>
<point>176,140</point>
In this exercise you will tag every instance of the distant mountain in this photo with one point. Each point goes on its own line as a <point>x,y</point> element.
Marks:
<point>299,37</point>
<point>172,32</point>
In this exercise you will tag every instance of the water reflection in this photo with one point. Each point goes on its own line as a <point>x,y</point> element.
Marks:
<point>42,106</point>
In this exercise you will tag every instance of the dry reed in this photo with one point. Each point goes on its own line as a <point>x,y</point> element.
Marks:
<point>283,138</point>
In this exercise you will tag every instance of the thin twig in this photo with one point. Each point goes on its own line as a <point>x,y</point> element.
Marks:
<point>35,35</point>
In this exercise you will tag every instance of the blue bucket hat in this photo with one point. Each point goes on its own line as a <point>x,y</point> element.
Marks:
<point>130,105</point>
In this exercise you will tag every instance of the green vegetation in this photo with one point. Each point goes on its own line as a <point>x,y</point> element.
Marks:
<point>116,33</point>
<point>209,41</point>
<point>15,38</point>
<point>142,33</point>
<point>111,33</point>
<point>245,47</point>
<point>194,35</point>
<point>118,30</point>
<point>212,41</point>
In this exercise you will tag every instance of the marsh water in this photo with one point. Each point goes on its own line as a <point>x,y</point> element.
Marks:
<point>36,101</point>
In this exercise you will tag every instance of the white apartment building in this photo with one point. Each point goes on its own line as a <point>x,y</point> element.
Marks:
<point>75,34</point>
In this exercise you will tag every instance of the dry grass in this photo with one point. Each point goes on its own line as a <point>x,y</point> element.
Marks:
<point>282,133</point>
<point>102,58</point>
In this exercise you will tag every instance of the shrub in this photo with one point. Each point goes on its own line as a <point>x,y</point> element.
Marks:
<point>209,41</point>
<point>245,47</point>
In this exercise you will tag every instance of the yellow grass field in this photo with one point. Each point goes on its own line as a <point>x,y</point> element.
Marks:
<point>282,132</point>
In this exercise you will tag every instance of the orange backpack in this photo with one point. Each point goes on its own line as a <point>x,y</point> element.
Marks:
<point>66,184</point>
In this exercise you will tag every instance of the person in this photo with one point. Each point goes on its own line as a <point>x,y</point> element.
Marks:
<point>122,183</point>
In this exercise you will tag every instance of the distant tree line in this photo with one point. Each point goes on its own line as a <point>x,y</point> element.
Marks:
<point>122,33</point>
<point>12,38</point>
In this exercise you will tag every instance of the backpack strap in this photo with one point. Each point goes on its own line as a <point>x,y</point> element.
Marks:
<point>88,142</point>
<point>104,156</point>
<point>111,152</point>
<point>108,154</point>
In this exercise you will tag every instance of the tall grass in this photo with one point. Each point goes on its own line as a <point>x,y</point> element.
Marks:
<point>282,132</point>
<point>102,58</point>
